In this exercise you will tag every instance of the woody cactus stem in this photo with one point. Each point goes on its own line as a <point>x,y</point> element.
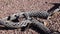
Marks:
<point>4,21</point>
<point>11,24</point>
<point>39,14</point>
<point>43,29</point>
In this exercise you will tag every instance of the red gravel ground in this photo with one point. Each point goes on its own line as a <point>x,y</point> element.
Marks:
<point>8,7</point>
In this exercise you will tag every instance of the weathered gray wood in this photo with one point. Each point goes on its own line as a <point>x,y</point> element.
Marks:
<point>41,26</point>
<point>24,23</point>
<point>11,24</point>
<point>39,14</point>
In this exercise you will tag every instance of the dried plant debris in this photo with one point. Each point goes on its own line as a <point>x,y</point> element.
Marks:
<point>15,17</point>
<point>9,21</point>
<point>54,23</point>
<point>12,21</point>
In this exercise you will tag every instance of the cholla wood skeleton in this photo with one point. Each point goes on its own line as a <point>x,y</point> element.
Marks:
<point>8,21</point>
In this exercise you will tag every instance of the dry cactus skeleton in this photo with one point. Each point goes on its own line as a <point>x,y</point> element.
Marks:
<point>9,21</point>
<point>24,24</point>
